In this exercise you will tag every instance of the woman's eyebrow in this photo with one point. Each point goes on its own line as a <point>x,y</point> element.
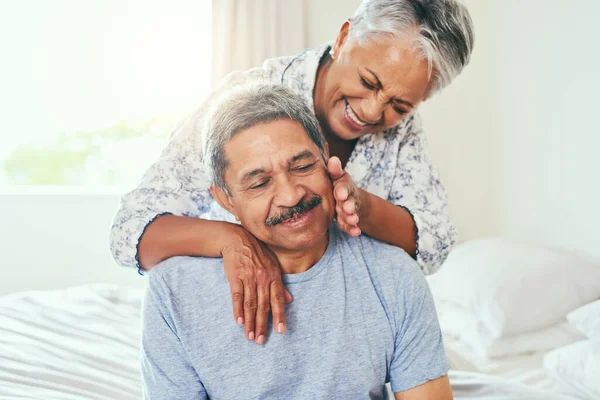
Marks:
<point>395,100</point>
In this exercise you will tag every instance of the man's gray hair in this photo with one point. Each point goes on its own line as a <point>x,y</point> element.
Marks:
<point>245,107</point>
<point>442,31</point>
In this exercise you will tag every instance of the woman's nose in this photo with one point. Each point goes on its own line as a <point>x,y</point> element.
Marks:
<point>373,110</point>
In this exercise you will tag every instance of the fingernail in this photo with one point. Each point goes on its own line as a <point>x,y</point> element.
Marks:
<point>251,336</point>
<point>240,321</point>
<point>281,328</point>
<point>261,339</point>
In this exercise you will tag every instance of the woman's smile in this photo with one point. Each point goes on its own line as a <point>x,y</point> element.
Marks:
<point>352,120</point>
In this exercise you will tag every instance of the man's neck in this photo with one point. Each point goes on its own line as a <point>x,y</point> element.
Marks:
<point>298,261</point>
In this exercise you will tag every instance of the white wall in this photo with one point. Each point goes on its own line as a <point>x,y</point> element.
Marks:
<point>325,18</point>
<point>460,123</point>
<point>515,138</point>
<point>53,241</point>
<point>548,129</point>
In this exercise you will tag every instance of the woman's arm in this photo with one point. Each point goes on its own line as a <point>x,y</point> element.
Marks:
<point>415,215</point>
<point>359,211</point>
<point>175,184</point>
<point>160,219</point>
<point>245,260</point>
<point>387,222</point>
<point>170,235</point>
<point>418,188</point>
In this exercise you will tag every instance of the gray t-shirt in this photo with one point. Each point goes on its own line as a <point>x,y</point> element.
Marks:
<point>362,316</point>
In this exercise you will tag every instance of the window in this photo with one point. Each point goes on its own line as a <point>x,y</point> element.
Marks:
<point>91,89</point>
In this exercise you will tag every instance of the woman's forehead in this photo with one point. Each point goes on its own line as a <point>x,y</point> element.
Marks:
<point>395,63</point>
<point>388,52</point>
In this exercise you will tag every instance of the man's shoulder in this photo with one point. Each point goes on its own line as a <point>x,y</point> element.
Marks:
<point>391,270</point>
<point>385,256</point>
<point>395,276</point>
<point>181,275</point>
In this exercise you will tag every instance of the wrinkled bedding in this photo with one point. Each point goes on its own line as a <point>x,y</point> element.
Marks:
<point>83,343</point>
<point>80,343</point>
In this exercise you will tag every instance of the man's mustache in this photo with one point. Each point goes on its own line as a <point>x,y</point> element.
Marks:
<point>299,209</point>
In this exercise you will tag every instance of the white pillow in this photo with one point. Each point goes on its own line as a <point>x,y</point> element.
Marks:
<point>578,367</point>
<point>466,328</point>
<point>514,288</point>
<point>587,319</point>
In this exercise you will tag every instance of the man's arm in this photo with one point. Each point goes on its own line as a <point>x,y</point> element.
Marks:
<point>166,371</point>
<point>418,369</point>
<point>437,389</point>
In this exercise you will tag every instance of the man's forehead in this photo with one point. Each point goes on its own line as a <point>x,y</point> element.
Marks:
<point>266,146</point>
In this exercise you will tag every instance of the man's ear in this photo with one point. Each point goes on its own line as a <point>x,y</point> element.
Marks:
<point>223,199</point>
<point>340,39</point>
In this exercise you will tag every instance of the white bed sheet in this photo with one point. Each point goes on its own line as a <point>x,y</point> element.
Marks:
<point>526,369</point>
<point>83,343</point>
<point>79,343</point>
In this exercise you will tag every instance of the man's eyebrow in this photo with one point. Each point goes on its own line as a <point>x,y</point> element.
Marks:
<point>407,103</point>
<point>302,156</point>
<point>251,174</point>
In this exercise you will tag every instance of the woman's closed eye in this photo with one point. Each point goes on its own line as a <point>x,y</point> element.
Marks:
<point>366,84</point>
<point>400,111</point>
<point>370,86</point>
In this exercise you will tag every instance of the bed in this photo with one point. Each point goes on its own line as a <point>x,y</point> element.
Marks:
<point>516,377</point>
<point>78,343</point>
<point>83,343</point>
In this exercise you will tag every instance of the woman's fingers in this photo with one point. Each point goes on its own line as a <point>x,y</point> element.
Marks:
<point>355,231</point>
<point>346,212</point>
<point>256,287</point>
<point>288,297</point>
<point>349,206</point>
<point>262,311</point>
<point>334,167</point>
<point>345,193</point>
<point>278,299</point>
<point>250,306</point>
<point>351,220</point>
<point>341,192</point>
<point>351,230</point>
<point>237,299</point>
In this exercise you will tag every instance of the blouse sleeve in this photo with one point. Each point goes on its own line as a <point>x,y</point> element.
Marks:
<point>175,184</point>
<point>417,188</point>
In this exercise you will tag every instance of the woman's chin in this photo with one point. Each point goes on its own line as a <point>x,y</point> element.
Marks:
<point>345,133</point>
<point>338,127</point>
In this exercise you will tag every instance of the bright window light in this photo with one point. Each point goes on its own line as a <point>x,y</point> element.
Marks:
<point>91,88</point>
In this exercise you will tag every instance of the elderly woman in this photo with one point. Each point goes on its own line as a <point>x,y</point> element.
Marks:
<point>365,89</point>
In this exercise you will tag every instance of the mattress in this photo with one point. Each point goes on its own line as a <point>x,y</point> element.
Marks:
<point>83,343</point>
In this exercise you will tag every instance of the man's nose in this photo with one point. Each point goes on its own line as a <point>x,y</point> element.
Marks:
<point>288,193</point>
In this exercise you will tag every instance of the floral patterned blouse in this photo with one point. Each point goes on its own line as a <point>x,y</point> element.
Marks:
<point>394,164</point>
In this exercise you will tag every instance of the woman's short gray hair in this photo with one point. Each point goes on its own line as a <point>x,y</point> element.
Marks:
<point>442,30</point>
<point>242,108</point>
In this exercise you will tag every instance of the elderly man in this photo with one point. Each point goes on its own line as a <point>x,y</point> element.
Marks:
<point>267,161</point>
